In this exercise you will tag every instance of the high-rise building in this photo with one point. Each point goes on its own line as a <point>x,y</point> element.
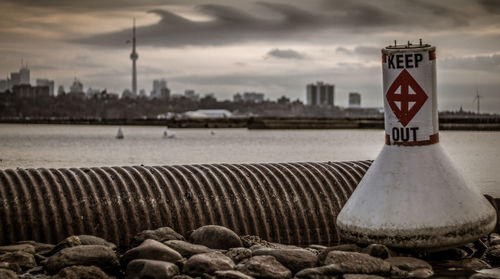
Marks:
<point>4,85</point>
<point>46,82</point>
<point>24,75</point>
<point>134,56</point>
<point>320,94</point>
<point>160,89</point>
<point>60,90</point>
<point>28,91</point>
<point>253,97</point>
<point>76,87</point>
<point>354,100</point>
<point>15,79</point>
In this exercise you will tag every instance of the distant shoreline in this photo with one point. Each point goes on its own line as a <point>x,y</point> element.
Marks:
<point>445,123</point>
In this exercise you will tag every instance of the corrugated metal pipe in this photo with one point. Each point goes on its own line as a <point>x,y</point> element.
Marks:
<point>290,203</point>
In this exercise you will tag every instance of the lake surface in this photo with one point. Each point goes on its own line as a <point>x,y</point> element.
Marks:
<point>476,154</point>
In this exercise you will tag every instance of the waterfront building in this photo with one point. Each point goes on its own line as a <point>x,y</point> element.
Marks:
<point>24,75</point>
<point>160,89</point>
<point>354,100</point>
<point>46,82</point>
<point>76,87</point>
<point>253,97</point>
<point>320,94</point>
<point>28,91</point>
<point>208,113</point>
<point>191,94</point>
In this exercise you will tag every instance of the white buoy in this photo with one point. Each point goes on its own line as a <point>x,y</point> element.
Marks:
<point>412,197</point>
<point>119,134</point>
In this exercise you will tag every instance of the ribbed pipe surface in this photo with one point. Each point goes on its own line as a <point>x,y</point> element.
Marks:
<point>290,203</point>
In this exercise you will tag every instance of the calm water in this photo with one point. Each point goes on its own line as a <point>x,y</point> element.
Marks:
<point>477,154</point>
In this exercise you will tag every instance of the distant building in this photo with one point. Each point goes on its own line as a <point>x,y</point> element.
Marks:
<point>28,91</point>
<point>208,113</point>
<point>354,100</point>
<point>92,92</point>
<point>4,85</point>
<point>142,93</point>
<point>191,94</point>
<point>128,94</point>
<point>24,75</point>
<point>253,97</point>
<point>320,94</point>
<point>76,87</point>
<point>46,82</point>
<point>160,89</point>
<point>60,90</point>
<point>237,98</point>
<point>15,79</point>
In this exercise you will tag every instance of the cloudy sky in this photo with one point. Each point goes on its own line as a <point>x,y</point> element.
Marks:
<point>270,46</point>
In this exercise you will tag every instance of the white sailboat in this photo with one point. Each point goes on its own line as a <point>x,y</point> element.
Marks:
<point>119,135</point>
<point>168,134</point>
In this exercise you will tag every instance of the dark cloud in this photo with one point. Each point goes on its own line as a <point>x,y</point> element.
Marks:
<point>492,6</point>
<point>360,50</point>
<point>285,54</point>
<point>286,22</point>
<point>488,63</point>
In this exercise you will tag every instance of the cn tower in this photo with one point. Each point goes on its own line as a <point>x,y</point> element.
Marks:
<point>134,57</point>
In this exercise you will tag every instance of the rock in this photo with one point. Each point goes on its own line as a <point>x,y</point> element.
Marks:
<point>215,237</point>
<point>493,273</point>
<point>151,250</point>
<point>361,276</point>
<point>8,274</point>
<point>468,264</point>
<point>238,254</point>
<point>319,272</point>
<point>79,272</point>
<point>378,251</point>
<point>87,255</point>
<point>450,254</point>
<point>493,255</point>
<point>18,247</point>
<point>251,240</point>
<point>161,235</point>
<point>317,247</point>
<point>494,239</point>
<point>354,262</point>
<point>264,267</point>
<point>293,259</point>
<point>408,263</point>
<point>40,248</point>
<point>187,249</point>
<point>207,263</point>
<point>182,276</point>
<point>344,247</point>
<point>231,274</point>
<point>12,266</point>
<point>22,259</point>
<point>421,273</point>
<point>152,269</point>
<point>77,240</point>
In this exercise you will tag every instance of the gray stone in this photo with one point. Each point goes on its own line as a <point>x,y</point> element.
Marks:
<point>264,267</point>
<point>77,240</point>
<point>408,263</point>
<point>493,273</point>
<point>187,249</point>
<point>79,272</point>
<point>88,255</point>
<point>317,247</point>
<point>293,259</point>
<point>361,276</point>
<point>18,247</point>
<point>215,237</point>
<point>12,266</point>
<point>40,248</point>
<point>8,274</point>
<point>494,239</point>
<point>251,240</point>
<point>22,259</point>
<point>468,264</point>
<point>207,263</point>
<point>319,272</point>
<point>378,251</point>
<point>152,269</point>
<point>161,235</point>
<point>344,247</point>
<point>231,274</point>
<point>152,250</point>
<point>182,276</point>
<point>493,255</point>
<point>354,262</point>
<point>421,273</point>
<point>238,254</point>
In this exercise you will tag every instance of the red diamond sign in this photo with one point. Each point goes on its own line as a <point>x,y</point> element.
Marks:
<point>405,97</point>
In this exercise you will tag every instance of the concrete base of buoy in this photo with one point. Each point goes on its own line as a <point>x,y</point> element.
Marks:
<point>414,198</point>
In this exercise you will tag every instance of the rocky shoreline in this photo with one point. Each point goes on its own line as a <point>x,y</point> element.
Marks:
<point>212,252</point>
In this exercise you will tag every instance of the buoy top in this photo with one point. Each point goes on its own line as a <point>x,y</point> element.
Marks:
<point>410,97</point>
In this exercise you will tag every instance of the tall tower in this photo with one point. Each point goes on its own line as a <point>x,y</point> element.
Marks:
<point>134,57</point>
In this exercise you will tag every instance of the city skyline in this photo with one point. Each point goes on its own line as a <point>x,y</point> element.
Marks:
<point>274,47</point>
